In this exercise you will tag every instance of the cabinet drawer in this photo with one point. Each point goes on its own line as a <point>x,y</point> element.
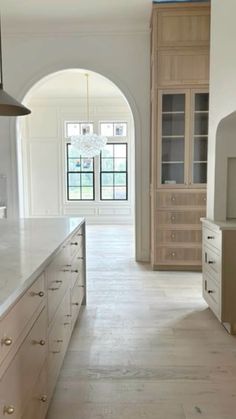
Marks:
<point>59,336</point>
<point>212,262</point>
<point>211,293</point>
<point>180,199</point>
<point>77,295</point>
<point>38,403</point>
<point>179,236</point>
<point>76,243</point>
<point>179,217</point>
<point>179,255</point>
<point>212,238</point>
<point>14,323</point>
<point>19,378</point>
<point>58,279</point>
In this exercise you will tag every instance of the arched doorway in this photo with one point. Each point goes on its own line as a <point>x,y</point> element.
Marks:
<point>58,102</point>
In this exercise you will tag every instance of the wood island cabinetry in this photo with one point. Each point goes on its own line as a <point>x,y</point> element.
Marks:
<point>36,329</point>
<point>179,108</point>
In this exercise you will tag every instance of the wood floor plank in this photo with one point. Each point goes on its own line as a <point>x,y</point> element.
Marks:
<point>146,346</point>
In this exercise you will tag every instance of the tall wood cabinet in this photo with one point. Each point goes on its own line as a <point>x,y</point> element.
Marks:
<point>179,112</point>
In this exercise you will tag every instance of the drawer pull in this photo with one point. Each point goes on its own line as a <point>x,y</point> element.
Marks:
<point>58,281</point>
<point>172,254</point>
<point>9,410</point>
<point>67,324</point>
<point>59,341</point>
<point>54,289</point>
<point>56,352</point>
<point>172,218</point>
<point>173,198</point>
<point>75,304</point>
<point>173,236</point>
<point>40,342</point>
<point>65,270</point>
<point>44,398</point>
<point>74,271</point>
<point>74,244</point>
<point>68,315</point>
<point>210,291</point>
<point>7,341</point>
<point>211,262</point>
<point>39,294</point>
<point>80,257</point>
<point>210,237</point>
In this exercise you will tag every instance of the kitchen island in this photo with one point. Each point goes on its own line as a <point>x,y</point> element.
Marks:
<point>42,287</point>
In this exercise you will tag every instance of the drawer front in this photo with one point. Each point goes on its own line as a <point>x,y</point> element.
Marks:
<point>18,380</point>
<point>211,293</point>
<point>179,236</point>
<point>14,323</point>
<point>179,217</point>
<point>58,279</point>
<point>213,238</point>
<point>180,199</point>
<point>178,255</point>
<point>212,262</point>
<point>76,242</point>
<point>77,295</point>
<point>59,336</point>
<point>38,403</point>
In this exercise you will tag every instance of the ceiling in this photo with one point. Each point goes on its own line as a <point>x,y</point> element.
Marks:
<point>79,12</point>
<point>72,84</point>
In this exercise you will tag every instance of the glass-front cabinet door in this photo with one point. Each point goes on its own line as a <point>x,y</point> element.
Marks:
<point>172,138</point>
<point>198,160</point>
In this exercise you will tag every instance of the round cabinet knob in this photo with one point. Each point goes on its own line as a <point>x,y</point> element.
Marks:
<point>9,410</point>
<point>173,236</point>
<point>41,294</point>
<point>172,218</point>
<point>172,254</point>
<point>44,398</point>
<point>173,198</point>
<point>74,244</point>
<point>40,342</point>
<point>210,292</point>
<point>7,341</point>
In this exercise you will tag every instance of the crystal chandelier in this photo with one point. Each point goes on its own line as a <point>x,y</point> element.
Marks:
<point>88,144</point>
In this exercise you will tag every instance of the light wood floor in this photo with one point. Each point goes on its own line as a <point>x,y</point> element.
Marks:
<point>146,346</point>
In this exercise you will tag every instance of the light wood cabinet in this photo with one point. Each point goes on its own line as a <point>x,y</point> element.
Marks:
<point>179,107</point>
<point>219,266</point>
<point>36,331</point>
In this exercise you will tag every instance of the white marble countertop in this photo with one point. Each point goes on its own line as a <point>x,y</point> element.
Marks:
<point>222,225</point>
<point>26,247</point>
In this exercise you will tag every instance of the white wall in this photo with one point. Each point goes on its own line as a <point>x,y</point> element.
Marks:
<point>43,151</point>
<point>121,57</point>
<point>222,102</point>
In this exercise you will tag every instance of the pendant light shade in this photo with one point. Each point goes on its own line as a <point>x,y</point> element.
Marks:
<point>8,105</point>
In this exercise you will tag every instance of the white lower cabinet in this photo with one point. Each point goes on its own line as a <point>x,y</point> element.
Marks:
<point>32,354</point>
<point>219,267</point>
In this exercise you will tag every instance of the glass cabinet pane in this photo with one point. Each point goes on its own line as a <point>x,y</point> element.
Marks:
<point>173,138</point>
<point>200,138</point>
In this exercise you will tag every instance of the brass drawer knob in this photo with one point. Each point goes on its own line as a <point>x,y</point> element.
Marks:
<point>74,244</point>
<point>9,410</point>
<point>41,294</point>
<point>7,341</point>
<point>44,398</point>
<point>41,342</point>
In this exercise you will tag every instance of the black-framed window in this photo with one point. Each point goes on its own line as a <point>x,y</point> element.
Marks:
<point>113,129</point>
<point>114,172</point>
<point>80,176</point>
<point>77,128</point>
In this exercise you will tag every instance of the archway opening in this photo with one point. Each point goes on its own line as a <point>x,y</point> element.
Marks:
<point>53,180</point>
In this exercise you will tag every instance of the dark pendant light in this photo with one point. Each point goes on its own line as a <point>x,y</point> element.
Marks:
<point>8,105</point>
